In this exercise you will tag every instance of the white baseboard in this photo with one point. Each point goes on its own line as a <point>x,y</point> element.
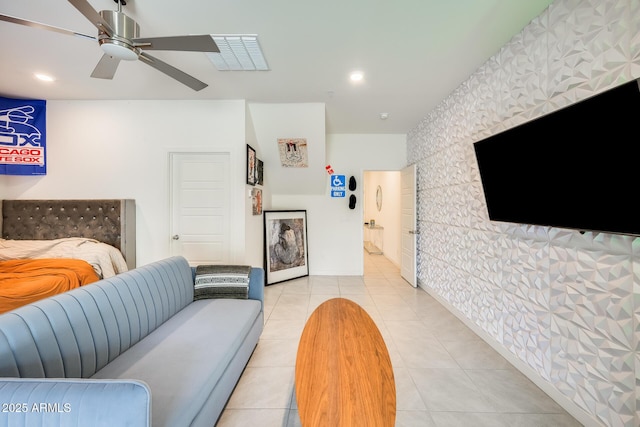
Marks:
<point>574,410</point>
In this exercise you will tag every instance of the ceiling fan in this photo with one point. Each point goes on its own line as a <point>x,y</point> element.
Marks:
<point>118,36</point>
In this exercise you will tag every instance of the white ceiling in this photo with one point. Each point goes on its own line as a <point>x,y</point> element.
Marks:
<point>412,52</point>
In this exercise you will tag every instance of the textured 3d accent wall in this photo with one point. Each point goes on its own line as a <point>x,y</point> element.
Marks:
<point>566,304</point>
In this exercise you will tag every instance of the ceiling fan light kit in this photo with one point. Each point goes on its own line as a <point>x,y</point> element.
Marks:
<point>119,46</point>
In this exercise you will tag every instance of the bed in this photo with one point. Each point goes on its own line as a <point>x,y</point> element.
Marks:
<point>51,246</point>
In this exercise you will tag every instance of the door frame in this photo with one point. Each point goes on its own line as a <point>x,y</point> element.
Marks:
<point>367,194</point>
<point>237,199</point>
<point>412,230</point>
<point>362,213</point>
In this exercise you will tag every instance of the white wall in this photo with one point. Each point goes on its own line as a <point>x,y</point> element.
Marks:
<point>254,232</point>
<point>389,217</point>
<point>291,120</point>
<point>335,232</point>
<point>561,305</point>
<point>120,149</point>
<point>266,123</point>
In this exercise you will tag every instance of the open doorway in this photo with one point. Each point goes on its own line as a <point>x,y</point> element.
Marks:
<point>382,214</point>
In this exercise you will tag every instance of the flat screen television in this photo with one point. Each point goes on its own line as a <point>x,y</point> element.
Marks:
<point>575,168</point>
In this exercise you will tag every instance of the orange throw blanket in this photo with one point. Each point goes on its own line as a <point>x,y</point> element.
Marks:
<point>23,281</point>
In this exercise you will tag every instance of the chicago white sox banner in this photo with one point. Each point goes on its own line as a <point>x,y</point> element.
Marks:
<point>22,137</point>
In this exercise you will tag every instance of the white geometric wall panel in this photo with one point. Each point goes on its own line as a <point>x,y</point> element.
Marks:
<point>566,304</point>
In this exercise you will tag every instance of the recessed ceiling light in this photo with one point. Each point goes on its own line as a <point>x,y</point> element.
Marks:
<point>44,77</point>
<point>356,76</point>
<point>384,116</point>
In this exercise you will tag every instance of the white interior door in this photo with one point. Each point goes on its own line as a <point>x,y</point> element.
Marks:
<point>200,207</point>
<point>409,224</point>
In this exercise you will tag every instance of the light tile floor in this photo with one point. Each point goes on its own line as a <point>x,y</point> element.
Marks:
<point>446,376</point>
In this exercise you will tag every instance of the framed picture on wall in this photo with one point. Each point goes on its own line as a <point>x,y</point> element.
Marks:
<point>293,152</point>
<point>286,253</point>
<point>259,172</point>
<point>256,198</point>
<point>251,165</point>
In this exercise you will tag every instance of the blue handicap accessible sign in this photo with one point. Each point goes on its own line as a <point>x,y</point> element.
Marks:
<point>338,185</point>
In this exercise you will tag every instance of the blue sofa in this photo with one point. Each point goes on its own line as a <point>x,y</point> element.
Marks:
<point>132,350</point>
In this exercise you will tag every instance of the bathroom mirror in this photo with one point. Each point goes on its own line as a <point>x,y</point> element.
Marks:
<point>379,198</point>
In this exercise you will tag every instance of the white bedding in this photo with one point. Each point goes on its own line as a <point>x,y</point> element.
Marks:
<point>106,260</point>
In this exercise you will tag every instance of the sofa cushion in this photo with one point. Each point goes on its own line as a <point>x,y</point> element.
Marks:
<point>181,362</point>
<point>221,281</point>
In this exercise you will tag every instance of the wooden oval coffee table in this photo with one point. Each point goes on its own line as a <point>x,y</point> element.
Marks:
<point>344,375</point>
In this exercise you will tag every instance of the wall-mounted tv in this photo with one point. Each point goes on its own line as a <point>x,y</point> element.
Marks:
<point>578,167</point>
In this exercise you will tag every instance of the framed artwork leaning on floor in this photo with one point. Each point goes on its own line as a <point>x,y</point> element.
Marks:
<point>286,253</point>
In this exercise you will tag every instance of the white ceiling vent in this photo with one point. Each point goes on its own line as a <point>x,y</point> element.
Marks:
<point>238,53</point>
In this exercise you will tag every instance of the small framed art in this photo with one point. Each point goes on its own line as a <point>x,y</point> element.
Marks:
<point>286,253</point>
<point>256,197</point>
<point>259,172</point>
<point>251,165</point>
<point>293,152</point>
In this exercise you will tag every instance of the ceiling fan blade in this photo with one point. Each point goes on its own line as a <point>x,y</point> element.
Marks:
<point>106,67</point>
<point>171,71</point>
<point>202,43</point>
<point>92,15</point>
<point>34,24</point>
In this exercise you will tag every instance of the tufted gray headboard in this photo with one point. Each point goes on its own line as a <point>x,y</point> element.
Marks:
<point>112,221</point>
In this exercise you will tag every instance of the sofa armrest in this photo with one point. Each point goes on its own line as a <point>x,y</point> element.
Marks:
<point>256,285</point>
<point>74,402</point>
